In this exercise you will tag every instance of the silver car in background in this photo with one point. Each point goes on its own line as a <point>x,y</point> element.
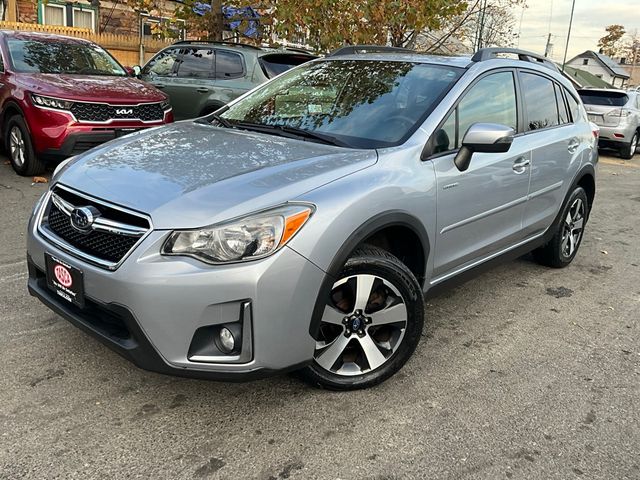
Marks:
<point>617,113</point>
<point>302,226</point>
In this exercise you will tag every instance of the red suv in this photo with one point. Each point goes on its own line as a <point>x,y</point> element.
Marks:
<point>60,96</point>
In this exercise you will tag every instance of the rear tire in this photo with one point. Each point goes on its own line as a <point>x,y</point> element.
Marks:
<point>628,151</point>
<point>18,144</point>
<point>371,325</point>
<point>568,232</point>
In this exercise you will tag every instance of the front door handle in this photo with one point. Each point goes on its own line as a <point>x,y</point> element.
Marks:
<point>158,85</point>
<point>202,90</point>
<point>573,146</point>
<point>520,165</point>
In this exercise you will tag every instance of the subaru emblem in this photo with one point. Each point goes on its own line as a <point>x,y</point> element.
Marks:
<point>82,218</point>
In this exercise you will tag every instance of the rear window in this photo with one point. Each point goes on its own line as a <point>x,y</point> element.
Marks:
<point>277,63</point>
<point>607,99</point>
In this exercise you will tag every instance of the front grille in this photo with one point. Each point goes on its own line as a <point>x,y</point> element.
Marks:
<point>108,246</point>
<point>101,112</point>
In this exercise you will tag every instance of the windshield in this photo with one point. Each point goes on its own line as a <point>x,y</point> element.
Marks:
<point>35,56</point>
<point>607,99</point>
<point>361,103</point>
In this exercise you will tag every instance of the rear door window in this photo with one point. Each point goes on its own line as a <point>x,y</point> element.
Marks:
<point>541,108</point>
<point>196,63</point>
<point>277,63</point>
<point>605,99</point>
<point>228,65</point>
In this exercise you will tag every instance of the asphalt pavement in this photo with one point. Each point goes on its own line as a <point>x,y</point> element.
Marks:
<point>522,373</point>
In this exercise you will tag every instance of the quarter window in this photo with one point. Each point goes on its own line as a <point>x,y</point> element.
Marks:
<point>196,62</point>
<point>539,98</point>
<point>228,65</point>
<point>574,107</point>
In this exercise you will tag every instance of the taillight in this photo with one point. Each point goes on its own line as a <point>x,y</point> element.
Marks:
<point>619,112</point>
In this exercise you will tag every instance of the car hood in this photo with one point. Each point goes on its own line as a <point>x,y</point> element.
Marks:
<point>91,88</point>
<point>189,175</point>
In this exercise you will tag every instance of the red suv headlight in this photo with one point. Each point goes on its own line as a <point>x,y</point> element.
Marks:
<point>50,102</point>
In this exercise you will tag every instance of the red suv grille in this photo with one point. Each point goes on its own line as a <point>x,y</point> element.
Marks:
<point>101,112</point>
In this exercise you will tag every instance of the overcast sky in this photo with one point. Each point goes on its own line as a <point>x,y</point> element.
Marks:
<point>589,20</point>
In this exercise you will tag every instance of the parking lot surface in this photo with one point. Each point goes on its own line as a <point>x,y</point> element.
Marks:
<point>524,372</point>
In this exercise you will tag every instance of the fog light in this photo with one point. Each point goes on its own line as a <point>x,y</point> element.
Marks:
<point>227,340</point>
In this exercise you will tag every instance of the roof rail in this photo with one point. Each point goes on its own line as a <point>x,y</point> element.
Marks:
<point>363,49</point>
<point>215,42</point>
<point>489,53</point>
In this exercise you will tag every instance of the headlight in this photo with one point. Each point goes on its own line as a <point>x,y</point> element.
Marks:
<point>50,102</point>
<point>166,105</point>
<point>249,238</point>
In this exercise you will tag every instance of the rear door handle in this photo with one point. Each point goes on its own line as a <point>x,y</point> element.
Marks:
<point>573,145</point>
<point>520,165</point>
<point>202,90</point>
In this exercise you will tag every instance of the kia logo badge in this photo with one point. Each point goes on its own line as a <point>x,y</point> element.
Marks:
<point>124,111</point>
<point>82,218</point>
<point>63,276</point>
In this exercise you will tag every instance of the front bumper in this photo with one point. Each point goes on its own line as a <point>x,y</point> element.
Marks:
<point>149,309</point>
<point>57,134</point>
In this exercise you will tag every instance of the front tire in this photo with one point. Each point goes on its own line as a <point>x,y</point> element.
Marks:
<point>569,230</point>
<point>628,151</point>
<point>371,324</point>
<point>18,144</point>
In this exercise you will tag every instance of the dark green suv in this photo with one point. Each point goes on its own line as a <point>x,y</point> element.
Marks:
<point>201,77</point>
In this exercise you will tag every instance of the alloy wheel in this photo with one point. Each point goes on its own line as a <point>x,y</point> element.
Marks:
<point>17,146</point>
<point>573,227</point>
<point>634,144</point>
<point>362,326</point>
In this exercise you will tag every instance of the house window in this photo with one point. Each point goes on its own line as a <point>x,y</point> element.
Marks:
<point>83,18</point>
<point>67,15</point>
<point>585,61</point>
<point>54,14</point>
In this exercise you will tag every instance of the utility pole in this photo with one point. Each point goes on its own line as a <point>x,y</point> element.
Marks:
<point>566,48</point>
<point>481,27</point>
<point>547,49</point>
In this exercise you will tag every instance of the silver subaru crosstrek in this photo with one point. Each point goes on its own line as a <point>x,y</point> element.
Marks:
<point>300,227</point>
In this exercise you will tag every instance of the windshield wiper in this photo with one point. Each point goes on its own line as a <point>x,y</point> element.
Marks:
<point>291,132</point>
<point>221,120</point>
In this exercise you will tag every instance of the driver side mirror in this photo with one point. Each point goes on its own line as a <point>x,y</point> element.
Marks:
<point>483,138</point>
<point>134,71</point>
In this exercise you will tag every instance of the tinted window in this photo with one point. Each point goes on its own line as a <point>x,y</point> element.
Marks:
<point>162,64</point>
<point>362,103</point>
<point>195,62</point>
<point>34,56</point>
<point>608,99</point>
<point>228,65</point>
<point>540,101</point>
<point>562,106</point>
<point>276,64</point>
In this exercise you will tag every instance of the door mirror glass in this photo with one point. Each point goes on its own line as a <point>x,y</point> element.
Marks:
<point>483,138</point>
